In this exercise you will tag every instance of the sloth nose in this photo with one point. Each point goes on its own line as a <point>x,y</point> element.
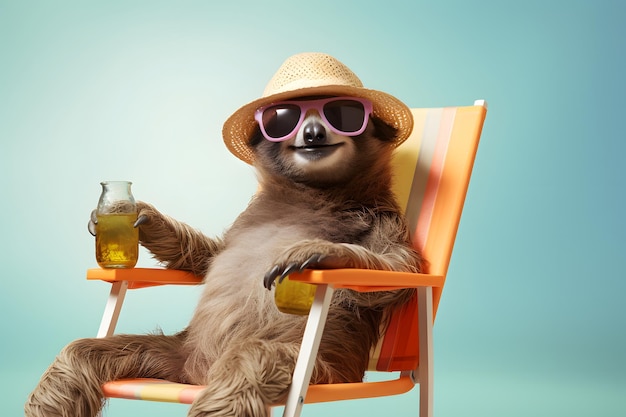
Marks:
<point>314,133</point>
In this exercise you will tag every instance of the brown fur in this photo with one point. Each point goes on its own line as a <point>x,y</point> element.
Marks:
<point>238,343</point>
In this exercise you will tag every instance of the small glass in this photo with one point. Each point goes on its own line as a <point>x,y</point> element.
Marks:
<point>294,297</point>
<point>117,240</point>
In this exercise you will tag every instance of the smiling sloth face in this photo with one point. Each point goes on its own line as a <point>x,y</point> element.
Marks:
<point>319,157</point>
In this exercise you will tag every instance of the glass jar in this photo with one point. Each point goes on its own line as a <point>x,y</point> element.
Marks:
<point>117,240</point>
<point>294,297</point>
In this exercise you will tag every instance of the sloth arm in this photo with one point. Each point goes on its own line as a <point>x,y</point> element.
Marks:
<point>386,246</point>
<point>389,244</point>
<point>390,239</point>
<point>175,244</point>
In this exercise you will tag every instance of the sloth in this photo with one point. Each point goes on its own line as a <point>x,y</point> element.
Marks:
<point>322,154</point>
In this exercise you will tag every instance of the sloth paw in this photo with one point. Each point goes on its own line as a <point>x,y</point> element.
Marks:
<point>93,221</point>
<point>281,271</point>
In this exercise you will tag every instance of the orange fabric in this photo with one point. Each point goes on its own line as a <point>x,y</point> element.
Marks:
<point>452,191</point>
<point>164,391</point>
<point>152,390</point>
<point>434,174</point>
<point>448,161</point>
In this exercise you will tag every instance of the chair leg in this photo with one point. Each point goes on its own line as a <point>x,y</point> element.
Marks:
<point>308,351</point>
<point>112,308</point>
<point>425,369</point>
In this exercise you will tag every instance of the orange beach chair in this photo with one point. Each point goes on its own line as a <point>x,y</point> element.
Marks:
<point>432,171</point>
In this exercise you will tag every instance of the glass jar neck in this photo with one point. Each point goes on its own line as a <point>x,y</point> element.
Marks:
<point>116,198</point>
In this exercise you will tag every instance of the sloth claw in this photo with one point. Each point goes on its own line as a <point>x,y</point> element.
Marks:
<point>270,277</point>
<point>93,221</point>
<point>280,273</point>
<point>142,219</point>
<point>312,261</point>
<point>292,267</point>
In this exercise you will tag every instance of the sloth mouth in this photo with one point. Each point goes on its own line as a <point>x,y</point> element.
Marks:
<point>314,147</point>
<point>314,152</point>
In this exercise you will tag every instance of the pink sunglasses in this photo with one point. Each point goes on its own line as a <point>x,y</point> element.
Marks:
<point>344,115</point>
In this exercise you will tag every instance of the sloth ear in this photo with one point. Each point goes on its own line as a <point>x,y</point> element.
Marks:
<point>382,130</point>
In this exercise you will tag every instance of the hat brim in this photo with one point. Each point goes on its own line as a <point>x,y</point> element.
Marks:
<point>240,126</point>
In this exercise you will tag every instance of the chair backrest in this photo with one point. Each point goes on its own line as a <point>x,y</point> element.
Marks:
<point>432,173</point>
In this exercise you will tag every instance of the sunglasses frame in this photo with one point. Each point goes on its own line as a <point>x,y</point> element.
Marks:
<point>318,105</point>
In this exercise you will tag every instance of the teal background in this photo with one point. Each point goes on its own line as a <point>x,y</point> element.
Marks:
<point>532,320</point>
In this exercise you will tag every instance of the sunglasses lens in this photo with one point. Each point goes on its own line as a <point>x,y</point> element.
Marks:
<point>345,115</point>
<point>281,120</point>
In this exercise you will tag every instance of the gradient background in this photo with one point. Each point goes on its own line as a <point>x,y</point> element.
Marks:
<point>532,321</point>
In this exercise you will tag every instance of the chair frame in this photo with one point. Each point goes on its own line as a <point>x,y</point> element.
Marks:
<point>327,281</point>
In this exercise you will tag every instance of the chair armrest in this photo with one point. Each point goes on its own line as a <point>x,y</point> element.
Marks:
<point>368,280</point>
<point>144,277</point>
<point>362,280</point>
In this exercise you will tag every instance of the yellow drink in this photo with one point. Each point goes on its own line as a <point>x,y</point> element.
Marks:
<point>117,241</point>
<point>294,297</point>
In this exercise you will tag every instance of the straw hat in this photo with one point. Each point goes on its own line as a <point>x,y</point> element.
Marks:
<point>309,74</point>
